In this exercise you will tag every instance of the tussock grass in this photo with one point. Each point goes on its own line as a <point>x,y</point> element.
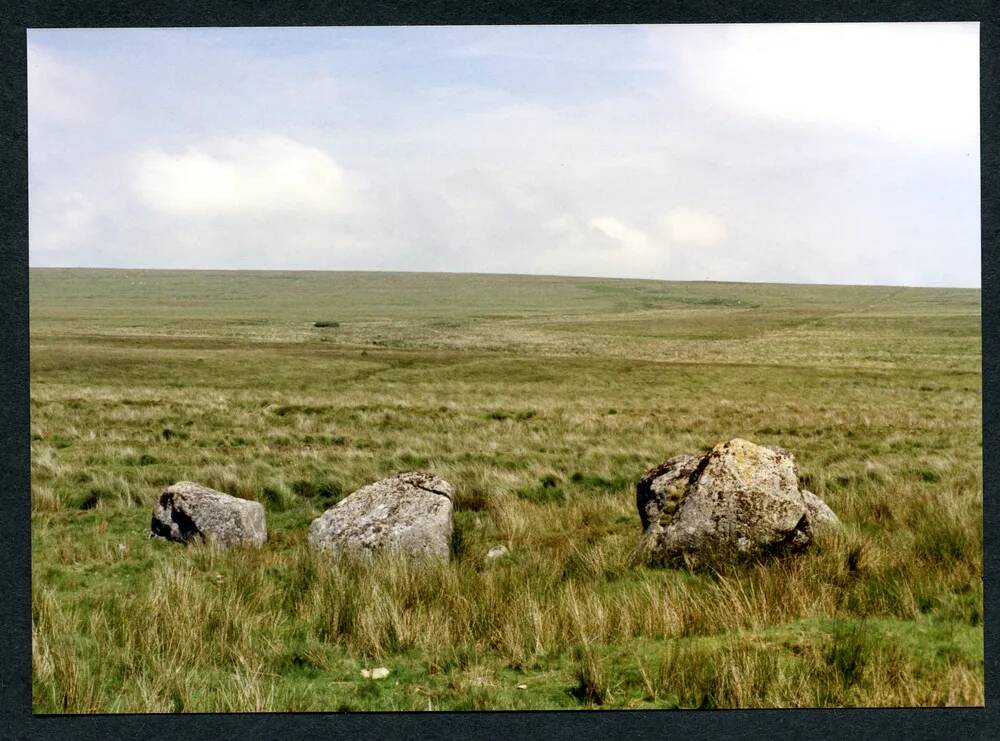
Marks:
<point>542,401</point>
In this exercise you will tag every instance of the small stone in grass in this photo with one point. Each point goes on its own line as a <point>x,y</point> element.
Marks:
<point>496,552</point>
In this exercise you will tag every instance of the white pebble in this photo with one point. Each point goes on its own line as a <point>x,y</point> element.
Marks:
<point>496,552</point>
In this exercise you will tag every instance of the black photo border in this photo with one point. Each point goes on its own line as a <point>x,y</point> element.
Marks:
<point>16,718</point>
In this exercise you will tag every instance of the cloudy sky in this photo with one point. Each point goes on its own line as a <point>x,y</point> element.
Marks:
<point>793,153</point>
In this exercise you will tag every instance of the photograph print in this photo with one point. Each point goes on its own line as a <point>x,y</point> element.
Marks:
<point>430,368</point>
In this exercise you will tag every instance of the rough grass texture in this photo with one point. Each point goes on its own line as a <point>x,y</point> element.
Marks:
<point>543,400</point>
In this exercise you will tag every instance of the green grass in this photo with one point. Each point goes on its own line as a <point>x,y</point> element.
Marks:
<point>543,400</point>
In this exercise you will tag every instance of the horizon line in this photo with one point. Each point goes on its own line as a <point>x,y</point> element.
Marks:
<point>508,275</point>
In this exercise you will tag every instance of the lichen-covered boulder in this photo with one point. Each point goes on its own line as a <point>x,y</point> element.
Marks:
<point>187,511</point>
<point>739,498</point>
<point>410,513</point>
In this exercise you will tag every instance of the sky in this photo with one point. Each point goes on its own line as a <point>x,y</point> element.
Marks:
<point>800,153</point>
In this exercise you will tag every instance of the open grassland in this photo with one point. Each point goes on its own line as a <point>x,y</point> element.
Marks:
<point>542,400</point>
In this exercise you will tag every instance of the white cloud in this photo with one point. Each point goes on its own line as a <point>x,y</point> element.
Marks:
<point>599,246</point>
<point>830,153</point>
<point>628,237</point>
<point>58,223</point>
<point>246,175</point>
<point>60,92</point>
<point>688,226</point>
<point>914,83</point>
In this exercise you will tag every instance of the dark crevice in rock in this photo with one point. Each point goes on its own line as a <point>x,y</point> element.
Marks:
<point>185,525</point>
<point>653,505</point>
<point>160,529</point>
<point>700,468</point>
<point>180,526</point>
<point>432,491</point>
<point>797,538</point>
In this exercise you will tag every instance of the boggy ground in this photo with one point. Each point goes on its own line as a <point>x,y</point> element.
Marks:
<point>543,400</point>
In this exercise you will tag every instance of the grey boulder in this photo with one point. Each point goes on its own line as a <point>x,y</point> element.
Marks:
<point>187,511</point>
<point>409,513</point>
<point>739,498</point>
<point>820,515</point>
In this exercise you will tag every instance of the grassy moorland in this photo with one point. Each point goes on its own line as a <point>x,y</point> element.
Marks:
<point>542,400</point>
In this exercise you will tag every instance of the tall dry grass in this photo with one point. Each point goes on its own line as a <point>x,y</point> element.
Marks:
<point>246,616</point>
<point>542,400</point>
